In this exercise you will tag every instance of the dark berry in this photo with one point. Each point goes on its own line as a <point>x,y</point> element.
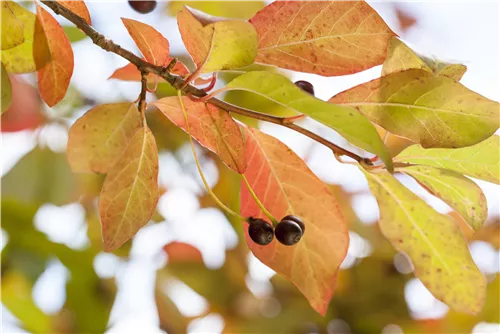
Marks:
<point>305,86</point>
<point>288,232</point>
<point>260,231</point>
<point>143,7</point>
<point>297,220</point>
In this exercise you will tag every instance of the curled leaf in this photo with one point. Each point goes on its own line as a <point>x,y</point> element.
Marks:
<point>435,111</point>
<point>433,242</point>
<point>130,191</point>
<point>98,138</point>
<point>285,185</point>
<point>322,37</point>
<point>210,126</point>
<point>481,161</point>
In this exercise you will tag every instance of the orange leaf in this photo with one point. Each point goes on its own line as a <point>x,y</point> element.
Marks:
<point>130,72</point>
<point>322,37</point>
<point>97,139</point>
<point>79,8</point>
<point>182,252</point>
<point>150,42</point>
<point>130,191</point>
<point>196,37</point>
<point>285,185</point>
<point>212,127</point>
<point>54,77</point>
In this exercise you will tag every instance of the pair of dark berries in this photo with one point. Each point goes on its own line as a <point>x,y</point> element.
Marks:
<point>288,231</point>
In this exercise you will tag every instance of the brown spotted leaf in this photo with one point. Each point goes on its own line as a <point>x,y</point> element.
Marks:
<point>456,190</point>
<point>481,161</point>
<point>130,191</point>
<point>285,185</point>
<point>322,37</point>
<point>79,8</point>
<point>212,127</point>
<point>55,75</point>
<point>435,111</point>
<point>98,138</point>
<point>433,241</point>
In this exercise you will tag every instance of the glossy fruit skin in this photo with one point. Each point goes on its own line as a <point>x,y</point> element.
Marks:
<point>143,7</point>
<point>288,232</point>
<point>297,220</point>
<point>305,86</point>
<point>260,231</point>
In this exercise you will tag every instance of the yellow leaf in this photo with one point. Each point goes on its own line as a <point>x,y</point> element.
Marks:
<point>6,90</point>
<point>130,191</point>
<point>12,28</point>
<point>401,58</point>
<point>33,53</point>
<point>433,242</point>
<point>98,138</point>
<point>435,111</point>
<point>233,9</point>
<point>456,190</point>
<point>481,161</point>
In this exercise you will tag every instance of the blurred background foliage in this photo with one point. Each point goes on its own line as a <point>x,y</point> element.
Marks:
<point>50,224</point>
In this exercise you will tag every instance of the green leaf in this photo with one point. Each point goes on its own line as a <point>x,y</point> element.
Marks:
<point>349,123</point>
<point>6,89</point>
<point>130,191</point>
<point>33,179</point>
<point>98,138</point>
<point>12,27</point>
<point>401,58</point>
<point>481,161</point>
<point>33,53</point>
<point>459,192</point>
<point>74,34</point>
<point>433,241</point>
<point>435,111</point>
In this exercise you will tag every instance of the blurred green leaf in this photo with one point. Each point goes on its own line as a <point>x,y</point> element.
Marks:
<point>74,34</point>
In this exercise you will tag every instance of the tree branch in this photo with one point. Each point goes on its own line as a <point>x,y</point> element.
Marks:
<point>179,83</point>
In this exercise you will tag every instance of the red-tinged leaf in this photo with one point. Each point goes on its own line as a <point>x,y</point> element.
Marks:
<point>25,110</point>
<point>130,72</point>
<point>196,37</point>
<point>150,42</point>
<point>98,138</point>
<point>212,127</point>
<point>179,252</point>
<point>54,77</point>
<point>77,7</point>
<point>322,37</point>
<point>130,191</point>
<point>285,185</point>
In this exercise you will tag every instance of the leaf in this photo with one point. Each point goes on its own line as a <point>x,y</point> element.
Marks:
<point>481,161</point>
<point>346,121</point>
<point>99,137</point>
<point>210,126</point>
<point>6,89</point>
<point>233,9</point>
<point>323,37</point>
<point>79,8</point>
<point>150,42</point>
<point>130,191</point>
<point>285,185</point>
<point>401,58</point>
<point>435,111</point>
<point>33,53</point>
<point>74,34</point>
<point>180,252</point>
<point>25,110</point>
<point>433,242</point>
<point>459,192</point>
<point>217,46</point>
<point>12,27</point>
<point>130,72</point>
<point>54,77</point>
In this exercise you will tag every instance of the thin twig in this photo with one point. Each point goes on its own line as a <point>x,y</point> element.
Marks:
<point>142,96</point>
<point>179,83</point>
